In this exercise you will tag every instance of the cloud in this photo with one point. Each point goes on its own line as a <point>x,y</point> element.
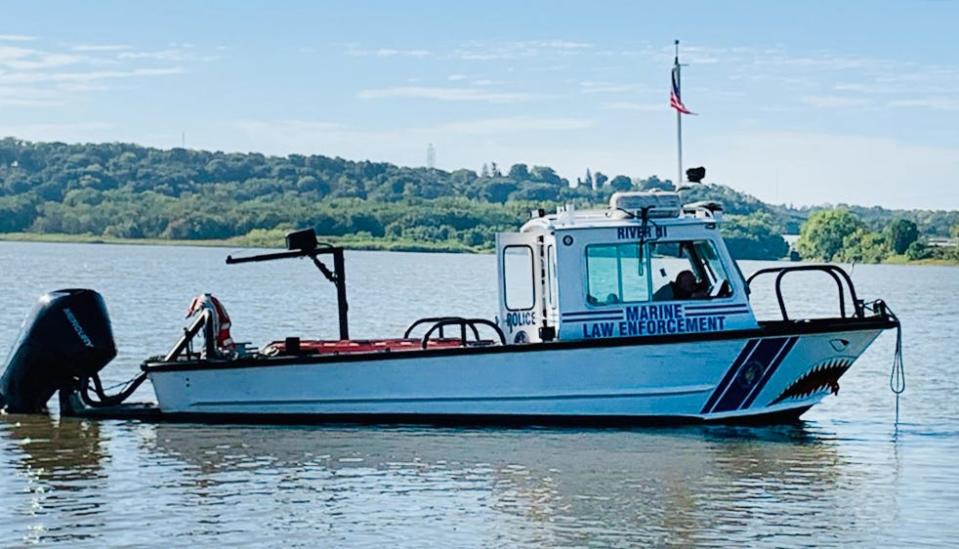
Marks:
<point>820,61</point>
<point>43,61</point>
<point>8,53</point>
<point>633,106</point>
<point>934,103</point>
<point>867,88</point>
<point>835,101</point>
<point>181,53</point>
<point>38,76</point>
<point>461,127</point>
<point>33,77</point>
<point>99,47</point>
<point>456,77</point>
<point>16,38</point>
<point>388,52</point>
<point>662,55</point>
<point>943,82</point>
<point>20,96</point>
<point>610,87</point>
<point>702,56</point>
<point>444,94</point>
<point>559,44</point>
<point>310,126</point>
<point>478,50</point>
<point>511,124</point>
<point>331,138</point>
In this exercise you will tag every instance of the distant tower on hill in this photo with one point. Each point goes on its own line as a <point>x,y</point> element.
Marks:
<point>430,156</point>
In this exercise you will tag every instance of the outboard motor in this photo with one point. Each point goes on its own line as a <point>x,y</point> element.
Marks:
<point>66,338</point>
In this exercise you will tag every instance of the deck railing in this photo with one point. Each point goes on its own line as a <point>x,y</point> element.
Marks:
<point>439,324</point>
<point>843,282</point>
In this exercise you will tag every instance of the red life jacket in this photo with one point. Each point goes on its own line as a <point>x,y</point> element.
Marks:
<point>218,318</point>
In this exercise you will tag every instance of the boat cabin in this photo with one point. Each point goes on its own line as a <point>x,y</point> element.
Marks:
<point>645,266</point>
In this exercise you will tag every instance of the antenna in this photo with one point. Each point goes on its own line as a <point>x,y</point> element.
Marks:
<point>430,156</point>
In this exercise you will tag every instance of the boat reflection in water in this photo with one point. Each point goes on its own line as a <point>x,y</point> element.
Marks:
<point>62,463</point>
<point>56,449</point>
<point>86,481</point>
<point>517,487</point>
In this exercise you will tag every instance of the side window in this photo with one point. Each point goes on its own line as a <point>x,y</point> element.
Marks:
<point>518,277</point>
<point>720,285</point>
<point>615,273</point>
<point>687,270</point>
<point>671,267</point>
<point>602,275</point>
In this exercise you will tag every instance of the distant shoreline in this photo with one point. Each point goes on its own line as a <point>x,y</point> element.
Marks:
<point>265,241</point>
<point>358,244</point>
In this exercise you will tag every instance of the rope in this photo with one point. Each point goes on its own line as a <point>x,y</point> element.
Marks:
<point>897,376</point>
<point>108,400</point>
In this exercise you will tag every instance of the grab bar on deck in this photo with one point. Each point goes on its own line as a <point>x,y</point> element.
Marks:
<point>838,275</point>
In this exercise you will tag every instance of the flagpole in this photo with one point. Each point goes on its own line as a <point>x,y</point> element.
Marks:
<point>679,123</point>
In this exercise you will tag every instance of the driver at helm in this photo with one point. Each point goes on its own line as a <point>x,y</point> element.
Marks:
<point>684,287</point>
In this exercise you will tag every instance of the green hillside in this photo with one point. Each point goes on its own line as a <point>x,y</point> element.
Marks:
<point>131,192</point>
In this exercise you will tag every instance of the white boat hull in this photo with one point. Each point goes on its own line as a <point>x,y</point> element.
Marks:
<point>719,379</point>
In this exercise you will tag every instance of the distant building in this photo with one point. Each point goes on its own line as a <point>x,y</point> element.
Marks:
<point>940,242</point>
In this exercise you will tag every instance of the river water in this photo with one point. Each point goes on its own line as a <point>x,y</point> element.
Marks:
<point>848,475</point>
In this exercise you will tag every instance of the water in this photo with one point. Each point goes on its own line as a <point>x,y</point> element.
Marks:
<point>846,476</point>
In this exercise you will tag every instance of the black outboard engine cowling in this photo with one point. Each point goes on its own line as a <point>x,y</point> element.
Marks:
<point>67,337</point>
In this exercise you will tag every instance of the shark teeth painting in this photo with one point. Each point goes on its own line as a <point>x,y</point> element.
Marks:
<point>821,377</point>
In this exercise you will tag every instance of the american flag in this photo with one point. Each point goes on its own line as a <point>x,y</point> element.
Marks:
<point>675,101</point>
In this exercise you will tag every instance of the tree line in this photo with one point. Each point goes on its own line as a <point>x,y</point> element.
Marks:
<point>130,191</point>
<point>841,235</point>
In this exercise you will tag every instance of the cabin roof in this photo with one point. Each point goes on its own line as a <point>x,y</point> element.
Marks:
<point>568,218</point>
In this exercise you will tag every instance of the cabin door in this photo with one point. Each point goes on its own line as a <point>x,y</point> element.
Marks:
<point>520,263</point>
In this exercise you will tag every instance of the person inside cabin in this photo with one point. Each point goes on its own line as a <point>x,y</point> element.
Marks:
<point>684,287</point>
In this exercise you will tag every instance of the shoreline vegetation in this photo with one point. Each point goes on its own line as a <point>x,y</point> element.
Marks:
<point>128,194</point>
<point>274,240</point>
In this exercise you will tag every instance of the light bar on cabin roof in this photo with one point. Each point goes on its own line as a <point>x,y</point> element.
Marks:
<point>657,204</point>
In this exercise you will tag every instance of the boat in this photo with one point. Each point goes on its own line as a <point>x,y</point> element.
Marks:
<point>631,314</point>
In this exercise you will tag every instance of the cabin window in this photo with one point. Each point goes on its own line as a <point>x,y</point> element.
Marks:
<point>658,271</point>
<point>615,273</point>
<point>690,269</point>
<point>518,277</point>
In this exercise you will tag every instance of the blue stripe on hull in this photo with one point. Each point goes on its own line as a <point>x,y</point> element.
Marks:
<point>743,355</point>
<point>749,374</point>
<point>769,373</point>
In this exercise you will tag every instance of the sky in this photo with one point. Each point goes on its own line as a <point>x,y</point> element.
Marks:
<point>803,103</point>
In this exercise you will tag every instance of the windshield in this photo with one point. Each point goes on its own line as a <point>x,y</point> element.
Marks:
<point>655,271</point>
